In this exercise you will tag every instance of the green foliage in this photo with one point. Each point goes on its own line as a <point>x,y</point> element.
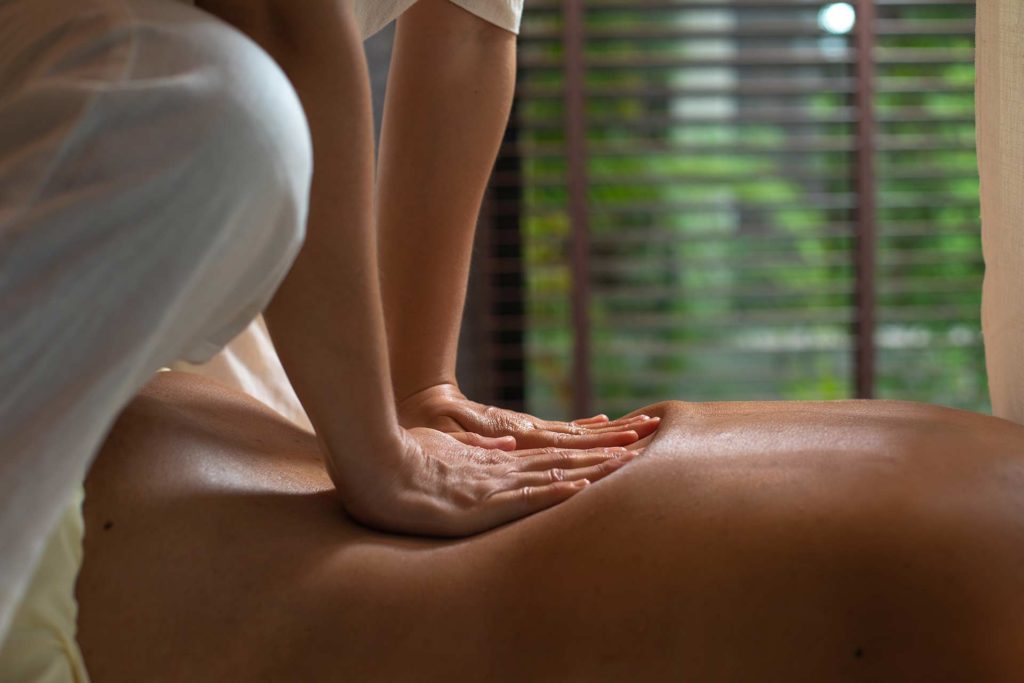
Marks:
<point>722,214</point>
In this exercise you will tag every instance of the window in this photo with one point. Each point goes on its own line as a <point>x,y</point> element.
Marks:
<point>735,199</point>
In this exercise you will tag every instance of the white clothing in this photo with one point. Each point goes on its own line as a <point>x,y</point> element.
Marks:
<point>249,364</point>
<point>373,15</point>
<point>1000,125</point>
<point>154,175</point>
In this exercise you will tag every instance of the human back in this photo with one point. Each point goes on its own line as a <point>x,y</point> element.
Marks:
<point>803,540</point>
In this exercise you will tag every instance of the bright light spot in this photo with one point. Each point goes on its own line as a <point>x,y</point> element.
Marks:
<point>837,18</point>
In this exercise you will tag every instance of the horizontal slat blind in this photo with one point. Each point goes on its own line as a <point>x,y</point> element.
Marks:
<point>721,197</point>
<point>929,283</point>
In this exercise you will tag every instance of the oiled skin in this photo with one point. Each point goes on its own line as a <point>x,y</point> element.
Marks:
<point>752,541</point>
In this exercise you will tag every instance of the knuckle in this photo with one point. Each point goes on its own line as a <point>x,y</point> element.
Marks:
<point>527,494</point>
<point>506,422</point>
<point>495,457</point>
<point>479,457</point>
<point>557,474</point>
<point>467,493</point>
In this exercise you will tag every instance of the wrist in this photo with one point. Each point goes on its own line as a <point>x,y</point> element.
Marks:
<point>427,400</point>
<point>345,450</point>
<point>358,470</point>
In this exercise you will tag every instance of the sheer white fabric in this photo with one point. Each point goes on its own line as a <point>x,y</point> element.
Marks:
<point>191,235</point>
<point>154,173</point>
<point>1000,119</point>
<point>373,15</point>
<point>249,363</point>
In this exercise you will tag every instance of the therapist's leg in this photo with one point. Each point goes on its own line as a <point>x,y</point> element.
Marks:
<point>154,170</point>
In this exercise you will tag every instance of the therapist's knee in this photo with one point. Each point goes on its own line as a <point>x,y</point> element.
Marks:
<point>233,109</point>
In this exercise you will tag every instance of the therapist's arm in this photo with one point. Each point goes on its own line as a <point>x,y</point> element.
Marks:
<point>449,93</point>
<point>326,319</point>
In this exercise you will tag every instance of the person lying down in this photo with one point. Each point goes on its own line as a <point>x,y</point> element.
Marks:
<point>791,541</point>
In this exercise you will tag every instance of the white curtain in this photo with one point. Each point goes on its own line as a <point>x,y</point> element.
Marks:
<point>1000,119</point>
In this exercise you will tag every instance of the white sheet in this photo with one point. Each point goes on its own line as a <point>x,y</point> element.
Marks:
<point>154,174</point>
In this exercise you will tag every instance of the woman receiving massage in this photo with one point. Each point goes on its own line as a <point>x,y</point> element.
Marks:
<point>748,541</point>
<point>801,541</point>
<point>415,534</point>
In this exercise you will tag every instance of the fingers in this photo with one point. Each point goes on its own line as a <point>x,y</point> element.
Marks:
<point>549,458</point>
<point>540,439</point>
<point>536,491</point>
<point>641,427</point>
<point>592,473</point>
<point>611,423</point>
<point>645,427</point>
<point>566,435</point>
<point>526,500</point>
<point>597,428</point>
<point>586,421</point>
<point>467,489</point>
<point>503,443</point>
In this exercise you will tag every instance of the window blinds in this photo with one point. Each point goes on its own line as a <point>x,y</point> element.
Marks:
<point>735,199</point>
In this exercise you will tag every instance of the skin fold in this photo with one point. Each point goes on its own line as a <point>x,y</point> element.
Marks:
<point>847,540</point>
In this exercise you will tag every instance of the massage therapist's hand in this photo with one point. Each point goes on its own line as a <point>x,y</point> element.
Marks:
<point>445,408</point>
<point>440,486</point>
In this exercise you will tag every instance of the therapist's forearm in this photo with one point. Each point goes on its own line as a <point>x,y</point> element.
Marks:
<point>449,93</point>
<point>326,319</point>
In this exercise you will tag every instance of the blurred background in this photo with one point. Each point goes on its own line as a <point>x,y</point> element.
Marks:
<point>730,199</point>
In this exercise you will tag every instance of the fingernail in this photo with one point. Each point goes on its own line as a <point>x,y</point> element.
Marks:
<point>581,483</point>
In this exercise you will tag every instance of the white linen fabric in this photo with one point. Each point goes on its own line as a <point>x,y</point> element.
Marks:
<point>249,363</point>
<point>1000,125</point>
<point>154,174</point>
<point>373,15</point>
